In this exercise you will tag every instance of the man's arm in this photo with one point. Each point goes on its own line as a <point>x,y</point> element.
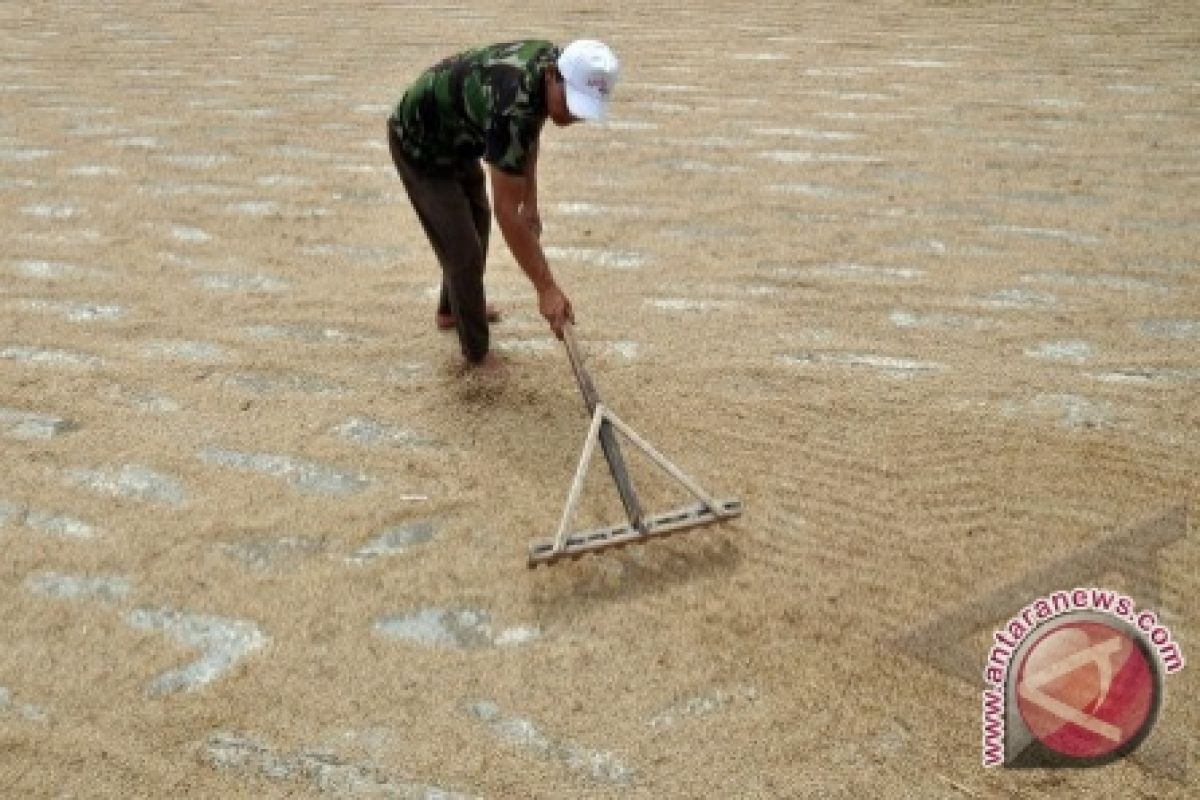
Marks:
<point>509,195</point>
<point>529,208</point>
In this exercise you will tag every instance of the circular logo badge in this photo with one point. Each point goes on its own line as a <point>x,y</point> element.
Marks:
<point>1088,689</point>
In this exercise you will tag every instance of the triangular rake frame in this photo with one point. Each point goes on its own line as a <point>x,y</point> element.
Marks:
<point>639,528</point>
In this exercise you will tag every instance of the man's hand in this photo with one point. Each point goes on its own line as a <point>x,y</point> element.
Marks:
<point>556,308</point>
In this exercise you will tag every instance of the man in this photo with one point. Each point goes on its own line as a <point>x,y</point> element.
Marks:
<point>491,103</point>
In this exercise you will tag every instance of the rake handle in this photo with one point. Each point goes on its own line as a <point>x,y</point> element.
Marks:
<point>608,439</point>
<point>588,389</point>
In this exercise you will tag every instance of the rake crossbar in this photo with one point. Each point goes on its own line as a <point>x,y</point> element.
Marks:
<point>639,528</point>
<point>548,551</point>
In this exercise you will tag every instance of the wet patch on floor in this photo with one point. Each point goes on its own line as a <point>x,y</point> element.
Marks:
<point>97,588</point>
<point>17,424</point>
<point>303,475</point>
<point>703,705</point>
<point>467,629</point>
<point>598,765</point>
<point>320,769</point>
<point>889,365</point>
<point>132,482</point>
<point>50,523</point>
<point>394,541</point>
<point>222,644</point>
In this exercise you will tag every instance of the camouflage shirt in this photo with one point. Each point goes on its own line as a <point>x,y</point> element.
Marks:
<point>487,103</point>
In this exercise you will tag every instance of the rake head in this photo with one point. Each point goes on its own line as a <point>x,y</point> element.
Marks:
<point>680,520</point>
<point>604,428</point>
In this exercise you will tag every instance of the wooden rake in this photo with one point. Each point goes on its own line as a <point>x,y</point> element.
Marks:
<point>640,528</point>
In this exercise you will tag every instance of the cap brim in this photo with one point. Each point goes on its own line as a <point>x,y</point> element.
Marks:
<point>584,104</point>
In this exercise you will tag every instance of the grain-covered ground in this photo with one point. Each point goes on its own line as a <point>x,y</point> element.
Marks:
<point>917,281</point>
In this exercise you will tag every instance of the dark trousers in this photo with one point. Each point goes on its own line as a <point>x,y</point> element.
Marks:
<point>454,211</point>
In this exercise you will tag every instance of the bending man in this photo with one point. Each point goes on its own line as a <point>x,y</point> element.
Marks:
<point>491,104</point>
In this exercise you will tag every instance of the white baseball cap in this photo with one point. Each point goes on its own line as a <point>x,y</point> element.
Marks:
<point>589,71</point>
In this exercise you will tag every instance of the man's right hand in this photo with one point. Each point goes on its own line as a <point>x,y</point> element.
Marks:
<point>556,308</point>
